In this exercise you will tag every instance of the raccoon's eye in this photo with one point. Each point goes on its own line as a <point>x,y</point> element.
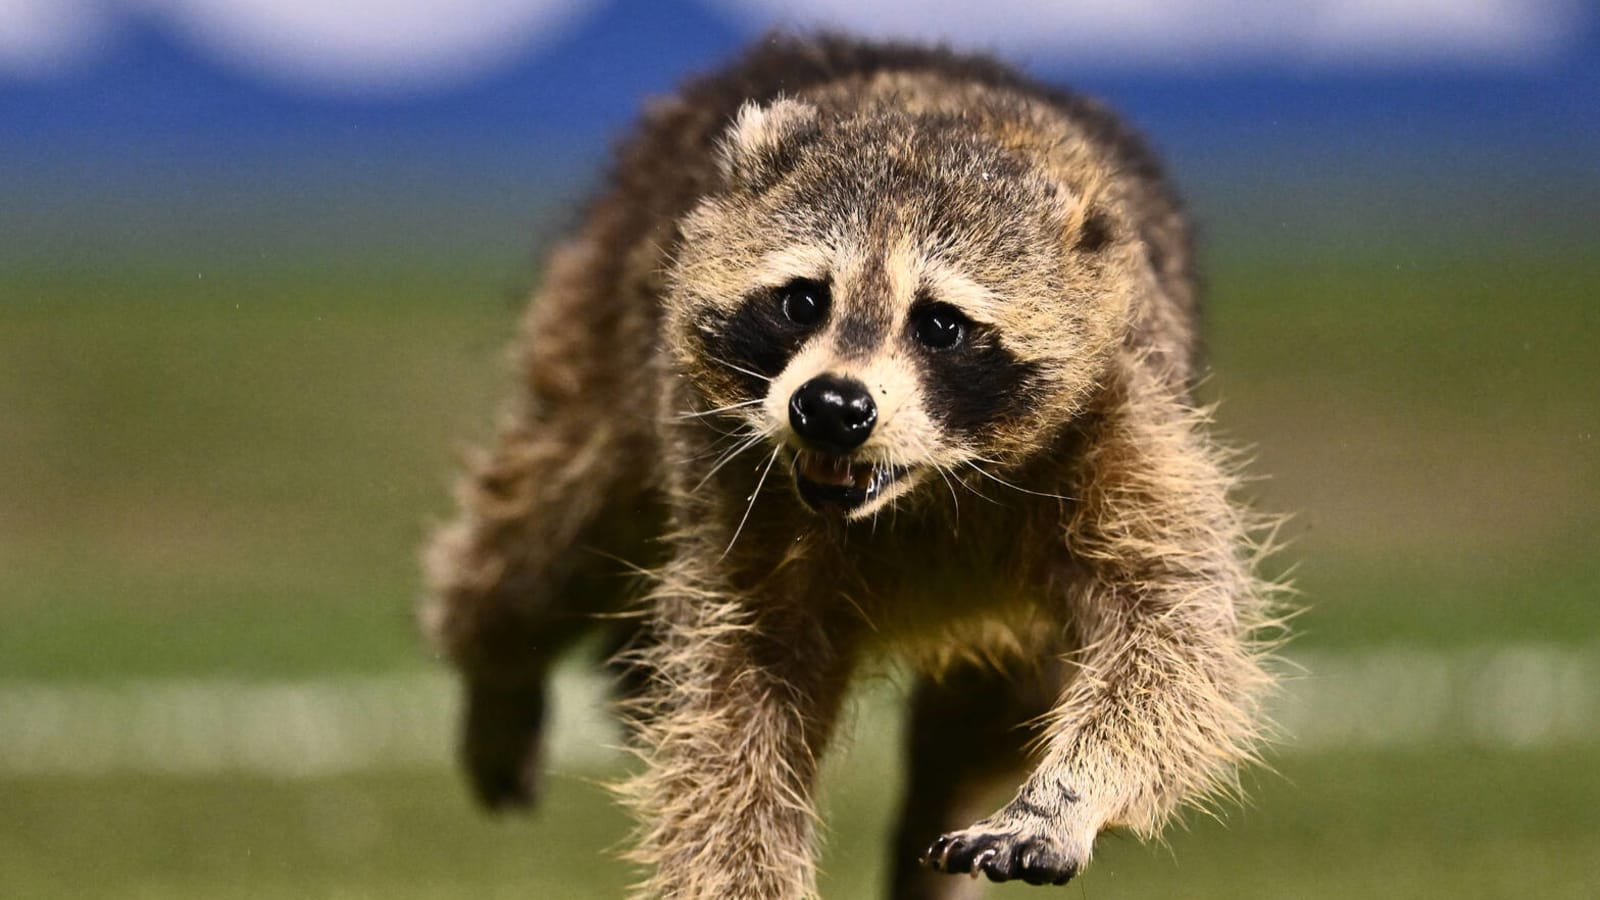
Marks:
<point>939,326</point>
<point>805,302</point>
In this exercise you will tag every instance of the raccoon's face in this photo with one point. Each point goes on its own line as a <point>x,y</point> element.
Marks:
<point>891,301</point>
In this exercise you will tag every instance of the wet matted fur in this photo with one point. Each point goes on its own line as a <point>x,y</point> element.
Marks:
<point>867,351</point>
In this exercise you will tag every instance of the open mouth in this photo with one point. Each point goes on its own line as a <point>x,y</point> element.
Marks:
<point>829,481</point>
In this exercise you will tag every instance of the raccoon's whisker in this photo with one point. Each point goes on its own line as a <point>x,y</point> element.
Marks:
<point>741,438</point>
<point>884,468</point>
<point>947,473</point>
<point>740,369</point>
<point>717,446</point>
<point>951,470</point>
<point>721,409</point>
<point>752,504</point>
<point>889,466</point>
<point>727,457</point>
<point>739,430</point>
<point>972,490</point>
<point>954,500</point>
<point>1000,481</point>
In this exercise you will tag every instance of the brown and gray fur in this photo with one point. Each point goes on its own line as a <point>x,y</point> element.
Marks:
<point>1060,560</point>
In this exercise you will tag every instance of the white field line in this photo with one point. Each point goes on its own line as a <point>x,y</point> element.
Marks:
<point>1526,696</point>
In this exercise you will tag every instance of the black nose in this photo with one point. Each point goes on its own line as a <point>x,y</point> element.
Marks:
<point>832,413</point>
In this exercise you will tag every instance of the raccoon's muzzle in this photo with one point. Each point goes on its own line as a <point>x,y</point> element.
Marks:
<point>832,414</point>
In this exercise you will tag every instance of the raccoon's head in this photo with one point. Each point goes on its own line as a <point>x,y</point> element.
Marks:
<point>890,297</point>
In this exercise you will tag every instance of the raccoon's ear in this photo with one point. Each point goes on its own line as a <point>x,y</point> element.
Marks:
<point>1094,231</point>
<point>1089,222</point>
<point>760,144</point>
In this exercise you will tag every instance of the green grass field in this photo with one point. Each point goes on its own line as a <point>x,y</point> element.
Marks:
<point>1449,824</point>
<point>224,472</point>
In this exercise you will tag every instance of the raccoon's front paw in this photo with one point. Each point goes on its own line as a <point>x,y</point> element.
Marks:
<point>1004,848</point>
<point>501,743</point>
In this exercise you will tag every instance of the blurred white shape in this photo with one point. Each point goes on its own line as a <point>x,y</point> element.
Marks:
<point>411,46</point>
<point>44,38</point>
<point>368,46</point>
<point>1177,33</point>
<point>1513,697</point>
<point>1488,30</point>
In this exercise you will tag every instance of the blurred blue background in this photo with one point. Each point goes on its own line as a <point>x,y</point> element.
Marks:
<point>124,116</point>
<point>259,260</point>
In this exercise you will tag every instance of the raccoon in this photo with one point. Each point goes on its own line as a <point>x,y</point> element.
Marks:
<point>867,351</point>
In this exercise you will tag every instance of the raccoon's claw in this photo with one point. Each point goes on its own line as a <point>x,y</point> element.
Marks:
<point>501,744</point>
<point>1003,856</point>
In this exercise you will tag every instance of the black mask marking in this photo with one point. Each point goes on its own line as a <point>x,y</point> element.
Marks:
<point>975,385</point>
<point>757,337</point>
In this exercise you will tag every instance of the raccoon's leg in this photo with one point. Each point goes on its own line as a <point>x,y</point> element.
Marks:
<point>744,698</point>
<point>518,578</point>
<point>1165,701</point>
<point>966,732</point>
<point>545,516</point>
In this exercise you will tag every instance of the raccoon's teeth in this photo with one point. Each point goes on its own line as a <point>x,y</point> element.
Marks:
<point>824,468</point>
<point>864,477</point>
